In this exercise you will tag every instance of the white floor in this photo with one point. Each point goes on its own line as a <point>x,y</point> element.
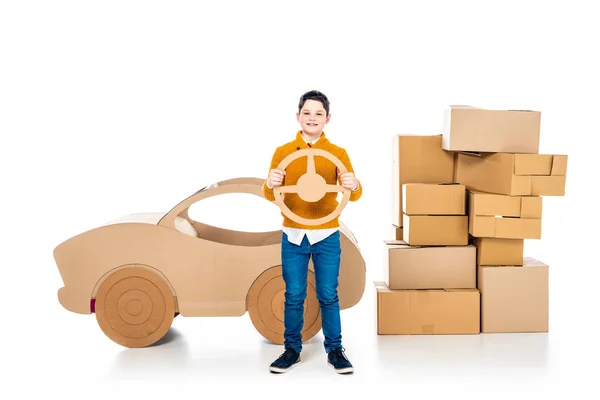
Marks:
<point>49,350</point>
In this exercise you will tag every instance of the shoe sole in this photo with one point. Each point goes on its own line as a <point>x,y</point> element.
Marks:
<point>347,370</point>
<point>278,370</point>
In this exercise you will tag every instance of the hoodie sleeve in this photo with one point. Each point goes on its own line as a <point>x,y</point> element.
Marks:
<point>275,160</point>
<point>355,194</point>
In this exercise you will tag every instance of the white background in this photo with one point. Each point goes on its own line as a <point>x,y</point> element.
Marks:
<point>116,107</point>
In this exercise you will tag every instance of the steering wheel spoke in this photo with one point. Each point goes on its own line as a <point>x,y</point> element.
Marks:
<point>334,188</point>
<point>310,164</point>
<point>288,189</point>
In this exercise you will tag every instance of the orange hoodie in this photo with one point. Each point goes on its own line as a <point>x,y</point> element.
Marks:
<point>297,168</point>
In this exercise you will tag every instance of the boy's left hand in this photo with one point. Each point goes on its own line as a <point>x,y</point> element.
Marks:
<point>348,180</point>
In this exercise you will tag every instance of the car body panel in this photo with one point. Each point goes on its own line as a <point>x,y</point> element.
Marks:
<point>209,275</point>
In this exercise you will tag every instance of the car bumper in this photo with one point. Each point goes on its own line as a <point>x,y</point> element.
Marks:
<point>73,301</point>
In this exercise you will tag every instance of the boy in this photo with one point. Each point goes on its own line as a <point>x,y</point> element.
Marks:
<point>321,242</point>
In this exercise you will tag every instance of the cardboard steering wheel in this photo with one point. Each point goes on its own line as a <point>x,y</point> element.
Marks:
<point>311,186</point>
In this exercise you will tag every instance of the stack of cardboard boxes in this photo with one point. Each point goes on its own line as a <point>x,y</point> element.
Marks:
<point>430,275</point>
<point>463,204</point>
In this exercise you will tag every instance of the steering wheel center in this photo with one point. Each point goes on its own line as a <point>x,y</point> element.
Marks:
<point>311,187</point>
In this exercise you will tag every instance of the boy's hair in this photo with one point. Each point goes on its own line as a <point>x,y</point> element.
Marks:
<point>314,95</point>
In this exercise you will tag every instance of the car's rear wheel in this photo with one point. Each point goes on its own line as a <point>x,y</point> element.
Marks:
<point>134,307</point>
<point>265,303</point>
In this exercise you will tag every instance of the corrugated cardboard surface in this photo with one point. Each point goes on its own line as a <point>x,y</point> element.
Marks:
<point>396,233</point>
<point>434,199</point>
<point>493,251</point>
<point>507,228</point>
<point>503,205</point>
<point>502,216</point>
<point>436,230</point>
<point>214,272</point>
<point>439,267</point>
<point>514,298</point>
<point>476,129</point>
<point>392,311</point>
<point>417,159</point>
<point>427,312</point>
<point>513,174</point>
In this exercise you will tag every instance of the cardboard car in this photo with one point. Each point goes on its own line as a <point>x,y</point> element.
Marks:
<point>139,272</point>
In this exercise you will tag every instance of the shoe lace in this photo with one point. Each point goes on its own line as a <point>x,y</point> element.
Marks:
<point>339,353</point>
<point>287,354</point>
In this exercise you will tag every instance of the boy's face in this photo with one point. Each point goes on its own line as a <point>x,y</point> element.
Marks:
<point>312,117</point>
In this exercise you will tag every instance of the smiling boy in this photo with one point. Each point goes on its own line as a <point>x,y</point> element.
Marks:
<point>321,242</point>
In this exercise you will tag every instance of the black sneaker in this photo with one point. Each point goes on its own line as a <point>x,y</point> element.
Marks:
<point>338,360</point>
<point>287,360</point>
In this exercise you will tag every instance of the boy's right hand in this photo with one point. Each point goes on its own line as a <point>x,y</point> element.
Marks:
<point>275,178</point>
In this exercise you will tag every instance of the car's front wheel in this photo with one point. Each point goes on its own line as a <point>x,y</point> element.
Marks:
<point>134,306</point>
<point>265,303</point>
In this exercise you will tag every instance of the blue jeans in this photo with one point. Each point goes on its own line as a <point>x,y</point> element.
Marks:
<point>326,260</point>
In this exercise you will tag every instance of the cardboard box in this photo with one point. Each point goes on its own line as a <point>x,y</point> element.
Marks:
<point>427,312</point>
<point>514,298</point>
<point>397,232</point>
<point>439,267</point>
<point>417,158</point>
<point>513,174</point>
<point>502,216</point>
<point>434,199</point>
<point>492,251</point>
<point>436,230</point>
<point>494,131</point>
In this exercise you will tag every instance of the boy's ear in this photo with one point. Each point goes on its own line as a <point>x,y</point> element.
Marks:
<point>298,116</point>
<point>328,118</point>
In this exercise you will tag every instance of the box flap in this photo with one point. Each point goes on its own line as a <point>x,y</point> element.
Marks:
<point>533,164</point>
<point>399,244</point>
<point>491,204</point>
<point>532,262</point>
<point>499,266</point>
<point>471,153</point>
<point>488,109</point>
<point>548,185</point>
<point>463,106</point>
<point>527,262</point>
<point>394,241</point>
<point>559,165</point>
<point>458,106</point>
<point>396,244</point>
<point>531,207</point>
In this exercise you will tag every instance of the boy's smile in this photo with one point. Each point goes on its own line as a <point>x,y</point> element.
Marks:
<point>312,119</point>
